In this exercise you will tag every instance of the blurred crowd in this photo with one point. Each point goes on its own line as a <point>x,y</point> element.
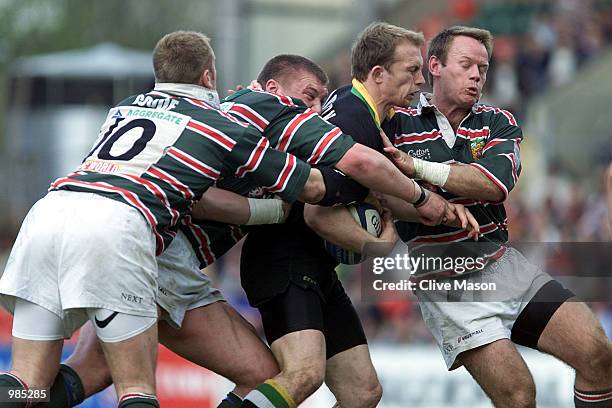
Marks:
<point>538,43</point>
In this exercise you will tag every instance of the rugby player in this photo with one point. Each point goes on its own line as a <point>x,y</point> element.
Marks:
<point>86,251</point>
<point>470,153</point>
<point>185,293</point>
<point>309,321</point>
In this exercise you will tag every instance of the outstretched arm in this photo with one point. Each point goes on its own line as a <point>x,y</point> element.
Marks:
<point>461,180</point>
<point>375,171</point>
<point>335,224</point>
<point>228,207</point>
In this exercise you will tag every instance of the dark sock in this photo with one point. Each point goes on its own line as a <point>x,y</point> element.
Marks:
<point>11,381</point>
<point>137,400</point>
<point>231,400</point>
<point>66,391</point>
<point>593,399</point>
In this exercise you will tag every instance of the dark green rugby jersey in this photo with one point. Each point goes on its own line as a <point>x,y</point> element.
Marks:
<point>290,126</point>
<point>158,152</point>
<point>488,139</point>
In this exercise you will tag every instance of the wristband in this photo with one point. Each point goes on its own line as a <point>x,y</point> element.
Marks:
<point>423,197</point>
<point>265,211</point>
<point>434,173</point>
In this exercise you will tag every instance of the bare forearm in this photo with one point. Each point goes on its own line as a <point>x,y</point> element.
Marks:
<point>469,182</point>
<point>222,205</point>
<point>401,209</point>
<point>336,225</point>
<point>461,180</point>
<point>375,171</point>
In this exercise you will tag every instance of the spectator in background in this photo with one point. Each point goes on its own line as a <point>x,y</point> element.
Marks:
<point>609,192</point>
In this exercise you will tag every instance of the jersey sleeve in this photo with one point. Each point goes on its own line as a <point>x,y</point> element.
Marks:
<point>500,158</point>
<point>277,172</point>
<point>309,137</point>
<point>290,126</point>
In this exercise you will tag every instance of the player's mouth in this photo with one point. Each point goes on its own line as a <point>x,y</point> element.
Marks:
<point>473,91</point>
<point>411,95</point>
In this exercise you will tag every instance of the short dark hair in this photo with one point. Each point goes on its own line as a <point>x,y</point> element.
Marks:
<point>440,44</point>
<point>376,46</point>
<point>279,67</point>
<point>182,56</point>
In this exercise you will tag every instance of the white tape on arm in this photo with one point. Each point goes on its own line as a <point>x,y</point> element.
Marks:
<point>265,211</point>
<point>434,173</point>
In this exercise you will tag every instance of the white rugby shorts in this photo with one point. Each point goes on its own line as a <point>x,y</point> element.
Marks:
<point>462,320</point>
<point>182,285</point>
<point>80,250</point>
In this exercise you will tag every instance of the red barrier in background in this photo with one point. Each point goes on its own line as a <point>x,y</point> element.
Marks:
<point>179,382</point>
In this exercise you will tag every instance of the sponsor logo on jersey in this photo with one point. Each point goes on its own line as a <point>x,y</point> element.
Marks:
<point>99,166</point>
<point>476,146</point>
<point>423,154</point>
<point>156,103</point>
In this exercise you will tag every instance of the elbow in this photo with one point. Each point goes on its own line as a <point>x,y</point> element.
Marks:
<point>357,161</point>
<point>497,195</point>
<point>314,189</point>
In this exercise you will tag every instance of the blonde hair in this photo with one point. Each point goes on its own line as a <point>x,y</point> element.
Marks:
<point>376,46</point>
<point>182,56</point>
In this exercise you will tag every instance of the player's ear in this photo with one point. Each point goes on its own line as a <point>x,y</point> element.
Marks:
<point>207,79</point>
<point>376,73</point>
<point>271,86</point>
<point>434,65</point>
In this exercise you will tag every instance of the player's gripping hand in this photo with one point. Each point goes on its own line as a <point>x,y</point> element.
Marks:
<point>462,217</point>
<point>434,210</point>
<point>254,86</point>
<point>402,160</point>
<point>236,89</point>
<point>384,244</point>
<point>374,198</point>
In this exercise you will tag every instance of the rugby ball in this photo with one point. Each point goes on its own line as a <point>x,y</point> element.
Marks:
<point>369,218</point>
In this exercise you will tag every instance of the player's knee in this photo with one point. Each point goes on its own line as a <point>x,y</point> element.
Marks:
<point>255,374</point>
<point>308,378</point>
<point>373,394</point>
<point>596,360</point>
<point>522,394</point>
<point>523,399</point>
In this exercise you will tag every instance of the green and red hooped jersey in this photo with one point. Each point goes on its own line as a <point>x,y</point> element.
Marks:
<point>289,126</point>
<point>159,152</point>
<point>487,139</point>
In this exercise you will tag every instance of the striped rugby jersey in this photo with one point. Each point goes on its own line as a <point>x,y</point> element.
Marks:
<point>160,151</point>
<point>290,127</point>
<point>489,140</point>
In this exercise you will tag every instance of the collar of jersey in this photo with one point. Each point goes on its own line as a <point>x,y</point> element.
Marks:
<point>189,90</point>
<point>360,91</point>
<point>425,103</point>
